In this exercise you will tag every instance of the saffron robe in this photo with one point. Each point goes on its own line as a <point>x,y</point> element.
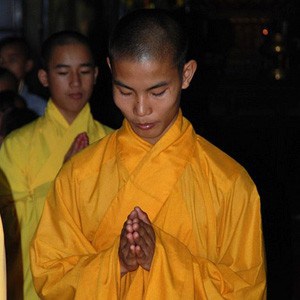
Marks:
<point>2,264</point>
<point>203,206</point>
<point>30,158</point>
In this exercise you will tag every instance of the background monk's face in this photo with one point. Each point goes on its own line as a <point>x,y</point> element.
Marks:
<point>148,94</point>
<point>70,78</point>
<point>13,59</point>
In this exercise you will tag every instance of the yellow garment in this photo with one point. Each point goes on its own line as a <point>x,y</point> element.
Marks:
<point>2,264</point>
<point>204,207</point>
<point>30,158</point>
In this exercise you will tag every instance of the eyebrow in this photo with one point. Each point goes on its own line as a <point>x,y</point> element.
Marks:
<point>158,85</point>
<point>58,66</point>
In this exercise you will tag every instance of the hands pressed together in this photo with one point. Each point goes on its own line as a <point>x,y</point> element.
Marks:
<point>80,142</point>
<point>137,242</point>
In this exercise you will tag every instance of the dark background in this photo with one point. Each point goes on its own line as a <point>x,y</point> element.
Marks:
<point>244,98</point>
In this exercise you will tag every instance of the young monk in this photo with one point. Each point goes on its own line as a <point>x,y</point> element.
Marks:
<point>31,157</point>
<point>152,211</point>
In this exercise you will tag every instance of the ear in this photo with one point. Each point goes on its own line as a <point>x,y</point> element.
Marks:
<point>108,62</point>
<point>43,77</point>
<point>96,74</point>
<point>28,65</point>
<point>189,70</point>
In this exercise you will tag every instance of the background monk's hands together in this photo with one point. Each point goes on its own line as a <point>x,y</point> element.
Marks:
<point>137,242</point>
<point>80,142</point>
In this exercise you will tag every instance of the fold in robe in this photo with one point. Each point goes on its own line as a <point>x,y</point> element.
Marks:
<point>30,158</point>
<point>204,208</point>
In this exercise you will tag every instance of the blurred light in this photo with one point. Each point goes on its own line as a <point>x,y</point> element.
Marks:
<point>278,74</point>
<point>265,31</point>
<point>278,49</point>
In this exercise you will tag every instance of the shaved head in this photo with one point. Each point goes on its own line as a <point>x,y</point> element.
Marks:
<point>62,38</point>
<point>149,34</point>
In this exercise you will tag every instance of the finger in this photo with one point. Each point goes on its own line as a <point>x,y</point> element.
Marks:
<point>144,242</point>
<point>145,230</point>
<point>129,228</point>
<point>132,249</point>
<point>82,136</point>
<point>133,214</point>
<point>132,221</point>
<point>140,253</point>
<point>135,220</point>
<point>142,215</point>
<point>130,238</point>
<point>81,141</point>
<point>126,240</point>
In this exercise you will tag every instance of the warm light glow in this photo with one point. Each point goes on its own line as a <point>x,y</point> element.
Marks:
<point>278,49</point>
<point>278,74</point>
<point>265,31</point>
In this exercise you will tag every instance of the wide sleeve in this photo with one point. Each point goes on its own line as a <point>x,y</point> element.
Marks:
<point>13,153</point>
<point>233,264</point>
<point>13,196</point>
<point>64,263</point>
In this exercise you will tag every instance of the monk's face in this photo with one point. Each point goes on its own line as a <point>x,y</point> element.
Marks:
<point>148,94</point>
<point>70,78</point>
<point>13,59</point>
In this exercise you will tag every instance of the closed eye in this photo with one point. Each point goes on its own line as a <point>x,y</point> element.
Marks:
<point>86,71</point>
<point>159,94</point>
<point>125,93</point>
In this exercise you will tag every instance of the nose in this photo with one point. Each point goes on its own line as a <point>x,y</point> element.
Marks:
<point>75,79</point>
<point>142,107</point>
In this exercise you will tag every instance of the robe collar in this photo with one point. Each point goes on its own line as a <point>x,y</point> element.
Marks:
<point>53,113</point>
<point>147,174</point>
<point>177,141</point>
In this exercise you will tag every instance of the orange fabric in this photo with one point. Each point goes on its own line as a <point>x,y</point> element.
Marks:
<point>203,205</point>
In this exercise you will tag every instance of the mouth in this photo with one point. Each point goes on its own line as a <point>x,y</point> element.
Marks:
<point>145,126</point>
<point>75,96</point>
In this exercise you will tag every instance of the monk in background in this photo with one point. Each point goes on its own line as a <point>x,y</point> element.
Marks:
<point>153,210</point>
<point>31,156</point>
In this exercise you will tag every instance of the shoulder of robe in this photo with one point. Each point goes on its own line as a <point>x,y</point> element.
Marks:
<point>218,162</point>
<point>23,136</point>
<point>103,128</point>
